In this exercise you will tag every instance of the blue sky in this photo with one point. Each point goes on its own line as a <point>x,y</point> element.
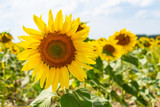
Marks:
<point>104,16</point>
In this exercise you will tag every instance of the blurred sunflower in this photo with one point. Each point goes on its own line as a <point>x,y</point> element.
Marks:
<point>126,39</point>
<point>14,49</point>
<point>81,25</point>
<point>145,42</point>
<point>94,45</point>
<point>109,50</point>
<point>6,39</point>
<point>158,38</point>
<point>55,50</point>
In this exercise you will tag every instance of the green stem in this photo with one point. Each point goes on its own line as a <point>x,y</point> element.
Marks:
<point>3,102</point>
<point>67,91</point>
<point>84,84</point>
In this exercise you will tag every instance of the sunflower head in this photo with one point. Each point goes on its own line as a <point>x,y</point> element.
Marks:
<point>109,50</point>
<point>55,50</point>
<point>5,37</point>
<point>126,39</point>
<point>14,49</point>
<point>145,42</point>
<point>94,45</point>
<point>81,25</point>
<point>158,38</point>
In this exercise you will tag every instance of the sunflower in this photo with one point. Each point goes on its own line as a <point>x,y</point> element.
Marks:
<point>145,42</point>
<point>109,50</point>
<point>81,25</point>
<point>126,39</point>
<point>14,49</point>
<point>55,50</point>
<point>158,38</point>
<point>94,45</point>
<point>5,40</point>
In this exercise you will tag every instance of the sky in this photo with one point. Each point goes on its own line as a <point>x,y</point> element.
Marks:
<point>103,16</point>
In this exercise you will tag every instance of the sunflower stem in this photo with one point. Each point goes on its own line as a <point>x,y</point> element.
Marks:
<point>67,91</point>
<point>84,84</point>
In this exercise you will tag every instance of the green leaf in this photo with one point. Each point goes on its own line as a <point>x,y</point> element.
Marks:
<point>130,90</point>
<point>79,98</point>
<point>141,100</point>
<point>118,79</point>
<point>109,70</point>
<point>82,98</point>
<point>135,85</point>
<point>44,98</point>
<point>115,96</point>
<point>130,59</point>
<point>99,102</point>
<point>107,53</point>
<point>99,64</point>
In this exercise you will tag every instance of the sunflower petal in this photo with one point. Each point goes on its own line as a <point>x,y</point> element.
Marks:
<point>75,71</point>
<point>40,24</point>
<point>33,33</point>
<point>50,77</point>
<point>51,26</point>
<point>44,76</point>
<point>55,81</point>
<point>59,21</point>
<point>26,54</point>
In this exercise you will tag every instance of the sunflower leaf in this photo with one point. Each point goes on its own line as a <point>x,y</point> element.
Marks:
<point>107,53</point>
<point>44,98</point>
<point>130,59</point>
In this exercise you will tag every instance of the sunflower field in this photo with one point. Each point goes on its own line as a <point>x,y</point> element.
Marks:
<point>59,66</point>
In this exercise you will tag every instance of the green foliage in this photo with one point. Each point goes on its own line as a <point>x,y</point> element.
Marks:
<point>82,98</point>
<point>15,85</point>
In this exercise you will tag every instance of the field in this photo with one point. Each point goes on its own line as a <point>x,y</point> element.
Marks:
<point>54,69</point>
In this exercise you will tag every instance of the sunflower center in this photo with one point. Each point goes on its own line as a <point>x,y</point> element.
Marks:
<point>5,39</point>
<point>122,39</point>
<point>57,50</point>
<point>147,44</point>
<point>109,48</point>
<point>80,28</point>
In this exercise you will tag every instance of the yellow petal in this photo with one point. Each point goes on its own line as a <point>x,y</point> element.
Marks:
<point>83,58</point>
<point>75,70</point>
<point>85,65</point>
<point>73,28</point>
<point>40,24</point>
<point>55,81</point>
<point>33,62</point>
<point>64,77</point>
<point>51,26</point>
<point>40,73</point>
<point>26,54</point>
<point>81,34</point>
<point>59,21</point>
<point>33,33</point>
<point>50,77</point>
<point>67,24</point>
<point>44,75</point>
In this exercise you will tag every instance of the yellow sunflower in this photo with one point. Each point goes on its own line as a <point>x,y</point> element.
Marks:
<point>81,25</point>
<point>55,50</point>
<point>126,39</point>
<point>145,42</point>
<point>5,39</point>
<point>158,38</point>
<point>94,45</point>
<point>109,50</point>
<point>14,49</point>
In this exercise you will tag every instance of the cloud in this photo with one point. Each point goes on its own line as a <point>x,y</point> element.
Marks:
<point>103,15</point>
<point>142,3</point>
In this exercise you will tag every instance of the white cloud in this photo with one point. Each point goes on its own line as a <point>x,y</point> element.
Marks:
<point>142,3</point>
<point>99,13</point>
